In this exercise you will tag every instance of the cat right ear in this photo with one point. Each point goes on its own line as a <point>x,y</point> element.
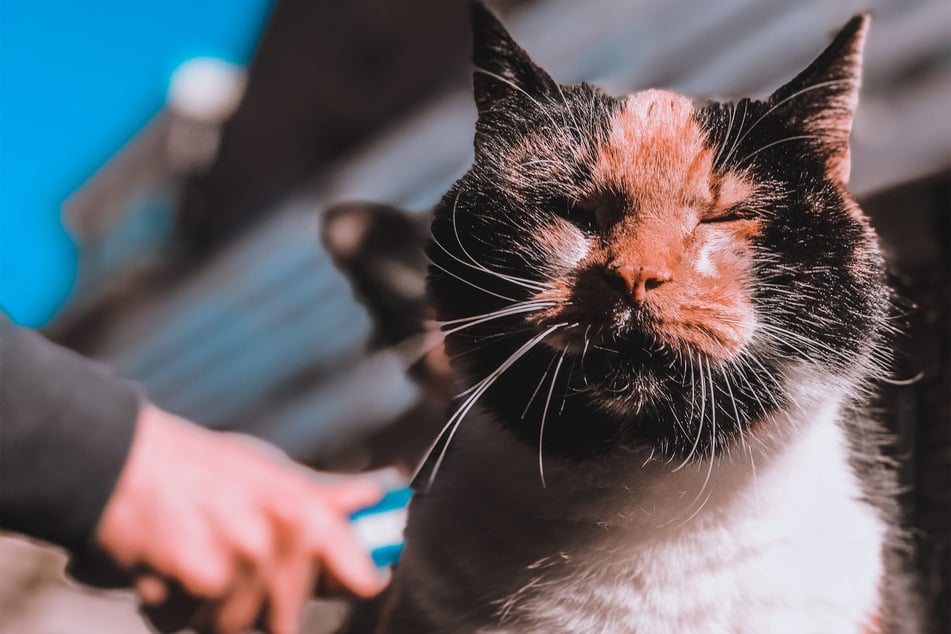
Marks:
<point>821,100</point>
<point>504,73</point>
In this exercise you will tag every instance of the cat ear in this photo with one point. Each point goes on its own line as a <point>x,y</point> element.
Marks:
<point>821,100</point>
<point>503,70</point>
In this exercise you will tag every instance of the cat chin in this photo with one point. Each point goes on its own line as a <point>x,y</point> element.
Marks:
<point>651,406</point>
<point>620,407</point>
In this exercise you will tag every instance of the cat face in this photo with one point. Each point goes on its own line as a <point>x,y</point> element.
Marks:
<point>672,264</point>
<point>665,249</point>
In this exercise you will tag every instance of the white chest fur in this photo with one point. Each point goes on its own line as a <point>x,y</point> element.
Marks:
<point>782,546</point>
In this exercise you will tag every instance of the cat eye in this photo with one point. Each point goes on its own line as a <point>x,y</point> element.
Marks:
<point>729,215</point>
<point>582,216</point>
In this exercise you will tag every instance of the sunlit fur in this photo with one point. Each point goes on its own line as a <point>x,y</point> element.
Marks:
<point>647,300</point>
<point>766,257</point>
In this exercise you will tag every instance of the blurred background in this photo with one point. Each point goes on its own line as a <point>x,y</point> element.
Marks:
<point>172,186</point>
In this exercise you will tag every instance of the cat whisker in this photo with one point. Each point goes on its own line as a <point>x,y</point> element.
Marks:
<point>476,386</point>
<point>489,340</point>
<point>468,322</point>
<point>817,86</point>
<point>773,332</point>
<point>477,265</point>
<point>449,429</point>
<point>749,386</point>
<point>693,389</point>
<point>680,425</point>
<point>703,407</point>
<point>537,388</point>
<point>569,110</point>
<point>736,411</point>
<point>584,352</point>
<point>739,138</point>
<point>508,82</point>
<point>473,284</point>
<point>904,382</point>
<point>564,398</point>
<point>742,367</point>
<point>705,378</point>
<point>726,137</point>
<point>520,281</point>
<point>747,447</point>
<point>769,145</point>
<point>713,453</point>
<point>809,344</point>
<point>541,428</point>
<point>527,303</point>
<point>649,458</point>
<point>702,504</point>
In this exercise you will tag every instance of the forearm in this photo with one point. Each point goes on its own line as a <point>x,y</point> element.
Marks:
<point>66,425</point>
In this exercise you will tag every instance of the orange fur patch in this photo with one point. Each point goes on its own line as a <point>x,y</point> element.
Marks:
<point>732,189</point>
<point>654,184</point>
<point>656,153</point>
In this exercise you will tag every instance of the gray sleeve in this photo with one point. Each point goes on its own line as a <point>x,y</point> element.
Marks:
<point>66,424</point>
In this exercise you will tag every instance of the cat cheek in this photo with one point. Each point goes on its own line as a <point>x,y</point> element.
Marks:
<point>716,320</point>
<point>705,263</point>
<point>563,244</point>
<point>717,252</point>
<point>733,189</point>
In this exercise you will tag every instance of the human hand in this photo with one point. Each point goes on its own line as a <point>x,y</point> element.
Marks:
<point>250,536</point>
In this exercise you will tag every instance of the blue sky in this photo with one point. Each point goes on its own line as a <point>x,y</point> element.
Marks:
<point>77,80</point>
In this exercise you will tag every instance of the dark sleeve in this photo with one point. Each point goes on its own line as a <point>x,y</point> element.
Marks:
<point>66,424</point>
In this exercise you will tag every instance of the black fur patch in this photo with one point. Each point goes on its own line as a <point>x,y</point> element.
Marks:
<point>818,286</point>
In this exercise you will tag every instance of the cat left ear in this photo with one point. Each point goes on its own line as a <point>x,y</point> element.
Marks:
<point>503,70</point>
<point>821,100</point>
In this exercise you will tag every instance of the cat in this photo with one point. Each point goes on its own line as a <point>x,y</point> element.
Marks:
<point>669,316</point>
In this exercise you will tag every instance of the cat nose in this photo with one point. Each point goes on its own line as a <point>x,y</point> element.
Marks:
<point>636,281</point>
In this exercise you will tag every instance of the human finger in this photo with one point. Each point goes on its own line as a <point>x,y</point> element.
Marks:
<point>240,609</point>
<point>208,577</point>
<point>151,588</point>
<point>176,612</point>
<point>343,559</point>
<point>351,495</point>
<point>289,588</point>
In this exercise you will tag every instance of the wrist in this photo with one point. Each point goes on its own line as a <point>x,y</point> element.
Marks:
<point>122,520</point>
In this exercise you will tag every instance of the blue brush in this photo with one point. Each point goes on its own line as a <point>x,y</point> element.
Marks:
<point>379,528</point>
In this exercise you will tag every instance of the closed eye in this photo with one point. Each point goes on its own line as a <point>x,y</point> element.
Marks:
<point>578,214</point>
<point>731,214</point>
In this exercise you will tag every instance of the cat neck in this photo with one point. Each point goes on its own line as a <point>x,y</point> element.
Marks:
<point>801,452</point>
<point>782,518</point>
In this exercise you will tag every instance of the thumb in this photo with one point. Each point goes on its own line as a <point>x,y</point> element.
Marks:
<point>345,564</point>
<point>352,494</point>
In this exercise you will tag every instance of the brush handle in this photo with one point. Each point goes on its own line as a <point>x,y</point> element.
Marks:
<point>379,528</point>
